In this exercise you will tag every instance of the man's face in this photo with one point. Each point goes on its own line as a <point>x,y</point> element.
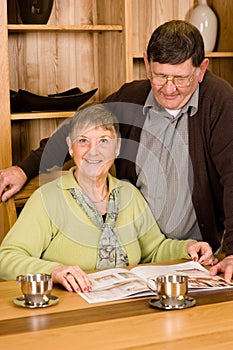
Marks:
<point>169,95</point>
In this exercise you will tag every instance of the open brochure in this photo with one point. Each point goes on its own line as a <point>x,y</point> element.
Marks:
<point>121,283</point>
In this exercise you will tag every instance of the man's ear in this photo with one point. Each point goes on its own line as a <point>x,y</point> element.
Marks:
<point>147,65</point>
<point>203,67</point>
<point>69,144</point>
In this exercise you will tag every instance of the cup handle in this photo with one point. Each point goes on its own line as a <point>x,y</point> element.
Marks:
<point>19,279</point>
<point>152,285</point>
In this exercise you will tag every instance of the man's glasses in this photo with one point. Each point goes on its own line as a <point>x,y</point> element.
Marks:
<point>180,82</point>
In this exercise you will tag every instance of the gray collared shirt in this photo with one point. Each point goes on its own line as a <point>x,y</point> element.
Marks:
<point>164,168</point>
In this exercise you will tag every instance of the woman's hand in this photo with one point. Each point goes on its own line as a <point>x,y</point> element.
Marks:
<point>72,278</point>
<point>201,252</point>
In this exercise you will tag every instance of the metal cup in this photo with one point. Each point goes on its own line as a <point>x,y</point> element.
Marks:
<point>171,289</point>
<point>36,288</point>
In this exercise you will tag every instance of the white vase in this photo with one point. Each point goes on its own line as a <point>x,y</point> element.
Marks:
<point>204,18</point>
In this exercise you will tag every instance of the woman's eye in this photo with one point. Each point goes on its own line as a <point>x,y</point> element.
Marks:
<point>82,140</point>
<point>104,140</point>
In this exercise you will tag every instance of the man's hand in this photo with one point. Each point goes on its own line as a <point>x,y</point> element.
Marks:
<point>225,266</point>
<point>12,180</point>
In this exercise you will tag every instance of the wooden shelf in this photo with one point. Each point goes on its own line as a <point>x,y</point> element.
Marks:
<point>42,115</point>
<point>219,54</point>
<point>207,54</point>
<point>63,28</point>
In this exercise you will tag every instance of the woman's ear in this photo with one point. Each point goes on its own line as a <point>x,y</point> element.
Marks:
<point>69,144</point>
<point>118,147</point>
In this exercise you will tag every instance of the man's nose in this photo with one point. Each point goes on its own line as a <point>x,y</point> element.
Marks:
<point>170,85</point>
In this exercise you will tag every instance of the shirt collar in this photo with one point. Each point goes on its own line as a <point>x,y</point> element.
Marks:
<point>191,105</point>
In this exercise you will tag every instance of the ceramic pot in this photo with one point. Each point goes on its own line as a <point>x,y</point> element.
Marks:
<point>35,11</point>
<point>204,18</point>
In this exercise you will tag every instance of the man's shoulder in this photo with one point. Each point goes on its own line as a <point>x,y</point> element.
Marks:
<point>214,84</point>
<point>133,92</point>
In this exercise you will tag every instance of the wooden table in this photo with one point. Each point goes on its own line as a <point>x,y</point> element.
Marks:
<point>128,324</point>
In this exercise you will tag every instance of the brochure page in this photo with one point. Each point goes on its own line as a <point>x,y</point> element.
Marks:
<point>121,283</point>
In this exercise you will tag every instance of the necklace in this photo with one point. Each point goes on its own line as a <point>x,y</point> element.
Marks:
<point>102,200</point>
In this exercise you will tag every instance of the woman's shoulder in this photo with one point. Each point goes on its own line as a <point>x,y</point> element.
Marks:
<point>50,187</point>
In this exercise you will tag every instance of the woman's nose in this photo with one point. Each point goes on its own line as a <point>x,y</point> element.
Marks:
<point>94,149</point>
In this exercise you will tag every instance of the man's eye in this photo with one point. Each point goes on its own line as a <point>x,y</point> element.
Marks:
<point>180,79</point>
<point>160,76</point>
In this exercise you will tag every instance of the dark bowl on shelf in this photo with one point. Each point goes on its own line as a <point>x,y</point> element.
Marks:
<point>73,91</point>
<point>35,11</point>
<point>25,102</point>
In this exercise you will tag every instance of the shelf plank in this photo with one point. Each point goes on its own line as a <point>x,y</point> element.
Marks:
<point>207,54</point>
<point>218,54</point>
<point>64,28</point>
<point>42,115</point>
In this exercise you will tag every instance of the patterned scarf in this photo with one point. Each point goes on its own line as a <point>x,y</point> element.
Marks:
<point>111,252</point>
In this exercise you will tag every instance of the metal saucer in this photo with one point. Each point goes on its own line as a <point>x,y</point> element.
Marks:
<point>189,302</point>
<point>20,301</point>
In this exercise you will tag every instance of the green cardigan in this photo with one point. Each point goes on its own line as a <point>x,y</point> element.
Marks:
<point>52,230</point>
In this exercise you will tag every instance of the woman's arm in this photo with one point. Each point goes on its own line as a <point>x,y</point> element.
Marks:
<point>24,244</point>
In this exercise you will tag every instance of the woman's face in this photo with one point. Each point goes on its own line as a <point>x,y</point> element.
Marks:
<point>94,150</point>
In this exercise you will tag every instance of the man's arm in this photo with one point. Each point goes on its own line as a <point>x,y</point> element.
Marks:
<point>52,152</point>
<point>31,164</point>
<point>222,157</point>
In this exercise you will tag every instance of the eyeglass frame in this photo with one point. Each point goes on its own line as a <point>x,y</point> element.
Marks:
<point>171,78</point>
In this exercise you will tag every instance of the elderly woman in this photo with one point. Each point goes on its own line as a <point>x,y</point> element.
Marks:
<point>87,219</point>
